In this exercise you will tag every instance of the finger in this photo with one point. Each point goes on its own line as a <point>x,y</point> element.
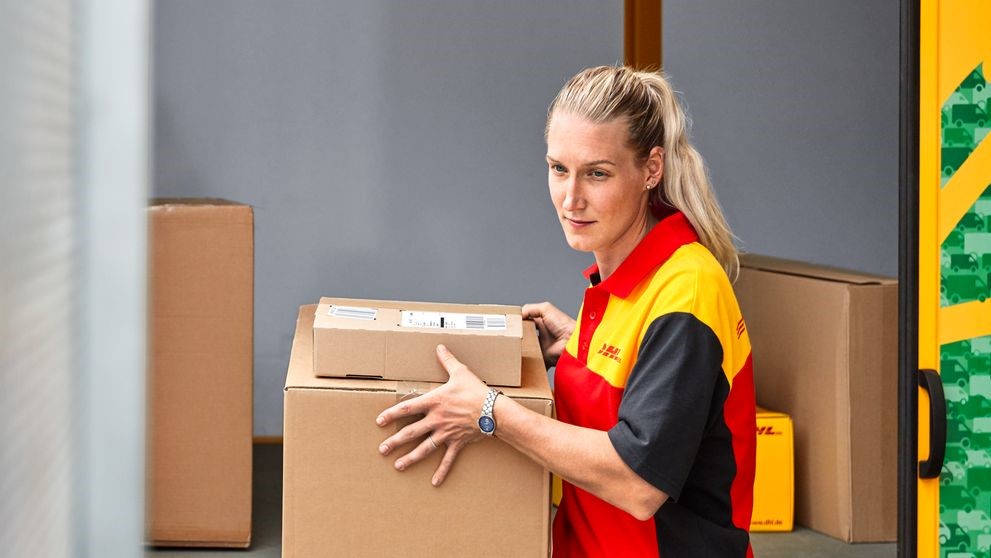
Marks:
<point>534,310</point>
<point>418,454</point>
<point>448,361</point>
<point>405,435</point>
<point>541,328</point>
<point>415,406</point>
<point>445,464</point>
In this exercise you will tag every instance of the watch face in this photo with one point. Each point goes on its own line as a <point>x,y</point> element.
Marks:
<point>486,424</point>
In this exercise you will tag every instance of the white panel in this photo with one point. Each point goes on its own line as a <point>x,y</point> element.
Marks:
<point>113,177</point>
<point>37,255</point>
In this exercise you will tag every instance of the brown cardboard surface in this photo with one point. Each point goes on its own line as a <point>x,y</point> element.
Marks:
<point>341,498</point>
<point>381,348</point>
<point>825,352</point>
<point>201,293</point>
<point>814,271</point>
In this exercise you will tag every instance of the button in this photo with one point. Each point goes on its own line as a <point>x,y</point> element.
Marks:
<point>591,315</point>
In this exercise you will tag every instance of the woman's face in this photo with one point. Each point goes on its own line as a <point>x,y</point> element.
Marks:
<point>597,185</point>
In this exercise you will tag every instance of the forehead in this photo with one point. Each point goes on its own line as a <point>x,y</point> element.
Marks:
<point>574,138</point>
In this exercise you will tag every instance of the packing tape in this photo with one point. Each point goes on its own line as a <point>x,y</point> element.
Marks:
<point>406,390</point>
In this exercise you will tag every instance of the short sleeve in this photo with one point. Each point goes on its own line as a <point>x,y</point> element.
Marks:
<point>667,401</point>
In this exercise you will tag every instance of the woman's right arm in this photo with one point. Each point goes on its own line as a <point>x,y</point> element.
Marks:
<point>555,329</point>
<point>585,457</point>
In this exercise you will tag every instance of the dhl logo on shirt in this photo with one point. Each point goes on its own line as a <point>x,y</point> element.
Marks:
<point>768,431</point>
<point>609,351</point>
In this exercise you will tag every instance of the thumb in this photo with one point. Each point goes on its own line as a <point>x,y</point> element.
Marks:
<point>448,361</point>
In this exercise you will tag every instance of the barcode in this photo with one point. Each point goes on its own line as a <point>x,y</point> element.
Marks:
<point>452,320</point>
<point>354,312</point>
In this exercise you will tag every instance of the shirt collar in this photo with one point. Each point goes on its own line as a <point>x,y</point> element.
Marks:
<point>671,233</point>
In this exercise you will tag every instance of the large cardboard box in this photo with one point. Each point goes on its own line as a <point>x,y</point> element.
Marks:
<point>395,340</point>
<point>774,482</point>
<point>825,346</point>
<point>200,373</point>
<point>342,498</point>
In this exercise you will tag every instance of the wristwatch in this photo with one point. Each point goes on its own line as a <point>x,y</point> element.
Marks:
<point>486,422</point>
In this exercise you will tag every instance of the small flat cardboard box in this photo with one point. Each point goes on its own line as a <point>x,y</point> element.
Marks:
<point>396,340</point>
<point>342,498</point>
<point>201,295</point>
<point>774,483</point>
<point>825,346</point>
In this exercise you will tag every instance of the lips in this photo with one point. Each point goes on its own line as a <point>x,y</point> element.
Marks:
<point>578,222</point>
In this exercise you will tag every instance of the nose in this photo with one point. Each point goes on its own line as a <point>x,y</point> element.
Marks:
<point>573,200</point>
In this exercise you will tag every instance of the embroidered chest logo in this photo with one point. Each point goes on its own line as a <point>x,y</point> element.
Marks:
<point>768,431</point>
<point>610,352</point>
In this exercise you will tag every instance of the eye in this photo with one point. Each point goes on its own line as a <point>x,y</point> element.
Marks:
<point>558,168</point>
<point>598,174</point>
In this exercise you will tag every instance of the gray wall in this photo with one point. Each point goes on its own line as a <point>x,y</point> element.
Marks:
<point>390,149</point>
<point>795,108</point>
<point>394,149</point>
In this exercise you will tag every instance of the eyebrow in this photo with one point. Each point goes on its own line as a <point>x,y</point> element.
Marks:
<point>588,164</point>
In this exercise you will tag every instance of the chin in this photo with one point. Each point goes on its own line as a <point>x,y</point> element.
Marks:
<point>579,244</point>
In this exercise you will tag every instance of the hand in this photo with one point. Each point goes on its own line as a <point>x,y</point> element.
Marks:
<point>555,329</point>
<point>450,418</point>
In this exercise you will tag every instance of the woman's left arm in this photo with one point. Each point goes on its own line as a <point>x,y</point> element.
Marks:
<point>583,456</point>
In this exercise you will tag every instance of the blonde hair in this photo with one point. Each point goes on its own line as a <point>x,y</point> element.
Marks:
<point>648,103</point>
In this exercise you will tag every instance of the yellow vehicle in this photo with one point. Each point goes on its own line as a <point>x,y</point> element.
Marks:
<point>945,361</point>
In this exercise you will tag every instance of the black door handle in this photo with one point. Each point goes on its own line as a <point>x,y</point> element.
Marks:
<point>930,381</point>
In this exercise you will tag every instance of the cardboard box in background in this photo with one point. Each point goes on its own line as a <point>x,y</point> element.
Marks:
<point>342,498</point>
<point>387,346</point>
<point>774,483</point>
<point>201,294</point>
<point>825,346</point>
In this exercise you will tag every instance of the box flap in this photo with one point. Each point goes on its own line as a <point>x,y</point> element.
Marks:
<point>812,271</point>
<point>197,213</point>
<point>156,202</point>
<point>534,376</point>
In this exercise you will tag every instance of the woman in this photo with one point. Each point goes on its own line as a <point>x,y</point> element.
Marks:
<point>654,390</point>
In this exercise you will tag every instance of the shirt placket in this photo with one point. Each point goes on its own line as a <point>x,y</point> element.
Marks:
<point>593,309</point>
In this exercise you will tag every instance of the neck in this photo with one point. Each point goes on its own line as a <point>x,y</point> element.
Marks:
<point>610,259</point>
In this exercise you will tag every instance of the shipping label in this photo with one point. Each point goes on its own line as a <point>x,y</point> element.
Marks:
<point>453,320</point>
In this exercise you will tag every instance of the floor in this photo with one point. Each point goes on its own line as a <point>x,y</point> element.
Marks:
<point>267,541</point>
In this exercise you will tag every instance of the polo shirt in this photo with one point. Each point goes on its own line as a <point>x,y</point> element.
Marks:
<point>660,358</point>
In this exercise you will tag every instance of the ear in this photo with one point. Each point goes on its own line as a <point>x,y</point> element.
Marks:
<point>655,166</point>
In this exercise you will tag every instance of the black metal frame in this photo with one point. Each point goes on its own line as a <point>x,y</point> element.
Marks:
<point>908,281</point>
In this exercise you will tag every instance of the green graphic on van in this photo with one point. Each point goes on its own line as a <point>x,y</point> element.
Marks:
<point>965,257</point>
<point>965,482</point>
<point>965,366</point>
<point>964,122</point>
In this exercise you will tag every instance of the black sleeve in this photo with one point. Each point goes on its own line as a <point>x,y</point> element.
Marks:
<point>667,399</point>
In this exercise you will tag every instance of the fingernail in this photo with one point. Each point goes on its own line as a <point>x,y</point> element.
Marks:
<point>384,449</point>
<point>400,465</point>
<point>441,349</point>
<point>434,481</point>
<point>380,421</point>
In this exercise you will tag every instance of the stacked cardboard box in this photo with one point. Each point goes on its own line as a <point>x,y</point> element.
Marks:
<point>342,498</point>
<point>395,340</point>
<point>200,373</point>
<point>825,344</point>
